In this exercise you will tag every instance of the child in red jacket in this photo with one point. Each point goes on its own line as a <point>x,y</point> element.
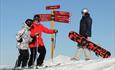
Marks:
<point>37,44</point>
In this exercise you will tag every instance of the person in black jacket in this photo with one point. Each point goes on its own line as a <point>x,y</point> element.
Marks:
<point>85,24</point>
<point>85,30</point>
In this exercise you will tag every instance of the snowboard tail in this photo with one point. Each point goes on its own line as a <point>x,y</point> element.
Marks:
<point>88,44</point>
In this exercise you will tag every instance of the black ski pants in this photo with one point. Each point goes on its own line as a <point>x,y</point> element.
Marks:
<point>22,58</point>
<point>42,52</point>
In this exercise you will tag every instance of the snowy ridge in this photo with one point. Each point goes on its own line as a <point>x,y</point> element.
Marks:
<point>4,66</point>
<point>59,59</point>
<point>67,64</point>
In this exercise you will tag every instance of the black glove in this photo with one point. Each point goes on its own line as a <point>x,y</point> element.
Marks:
<point>37,34</point>
<point>79,45</point>
<point>56,31</point>
<point>33,39</point>
<point>20,40</point>
<point>97,54</point>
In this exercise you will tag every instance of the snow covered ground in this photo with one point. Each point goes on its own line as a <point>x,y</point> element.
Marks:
<point>64,63</point>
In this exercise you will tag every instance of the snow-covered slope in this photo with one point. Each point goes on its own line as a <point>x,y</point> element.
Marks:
<point>64,63</point>
<point>67,64</point>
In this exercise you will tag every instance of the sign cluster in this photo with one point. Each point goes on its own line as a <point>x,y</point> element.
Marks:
<point>58,16</point>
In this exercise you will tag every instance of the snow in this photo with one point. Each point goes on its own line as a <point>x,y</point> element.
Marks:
<point>67,64</point>
<point>3,67</point>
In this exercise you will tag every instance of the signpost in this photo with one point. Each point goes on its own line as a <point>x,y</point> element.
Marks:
<point>52,25</point>
<point>58,16</point>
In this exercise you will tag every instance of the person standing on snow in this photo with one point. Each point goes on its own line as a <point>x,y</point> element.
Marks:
<point>85,30</point>
<point>37,44</point>
<point>23,38</point>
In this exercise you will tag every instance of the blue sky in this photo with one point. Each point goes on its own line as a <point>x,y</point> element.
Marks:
<point>15,12</point>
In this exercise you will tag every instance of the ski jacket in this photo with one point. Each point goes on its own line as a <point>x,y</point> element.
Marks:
<point>23,35</point>
<point>85,26</point>
<point>38,28</point>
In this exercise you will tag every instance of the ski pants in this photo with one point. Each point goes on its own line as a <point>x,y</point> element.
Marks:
<point>42,52</point>
<point>80,49</point>
<point>22,58</point>
<point>87,53</point>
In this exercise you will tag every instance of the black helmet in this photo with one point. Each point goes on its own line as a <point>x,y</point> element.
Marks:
<point>29,22</point>
<point>36,17</point>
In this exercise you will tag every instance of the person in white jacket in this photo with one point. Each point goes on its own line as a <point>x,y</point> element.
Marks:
<point>23,38</point>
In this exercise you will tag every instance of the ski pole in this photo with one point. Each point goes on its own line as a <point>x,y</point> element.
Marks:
<point>33,59</point>
<point>55,41</point>
<point>33,56</point>
<point>16,64</point>
<point>37,34</point>
<point>35,49</point>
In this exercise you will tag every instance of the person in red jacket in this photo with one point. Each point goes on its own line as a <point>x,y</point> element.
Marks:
<point>37,44</point>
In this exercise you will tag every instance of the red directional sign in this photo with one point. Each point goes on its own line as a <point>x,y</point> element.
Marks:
<point>45,17</point>
<point>57,18</point>
<point>64,13</point>
<point>53,7</point>
<point>62,16</point>
<point>62,20</point>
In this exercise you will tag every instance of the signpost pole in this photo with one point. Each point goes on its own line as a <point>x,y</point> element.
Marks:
<point>56,16</point>
<point>52,8</point>
<point>52,36</point>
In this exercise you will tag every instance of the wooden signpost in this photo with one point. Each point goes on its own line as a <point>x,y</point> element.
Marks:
<point>57,16</point>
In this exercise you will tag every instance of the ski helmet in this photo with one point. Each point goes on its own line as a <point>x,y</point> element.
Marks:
<point>84,10</point>
<point>36,17</point>
<point>29,22</point>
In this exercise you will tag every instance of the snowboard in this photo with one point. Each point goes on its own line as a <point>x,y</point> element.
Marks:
<point>89,45</point>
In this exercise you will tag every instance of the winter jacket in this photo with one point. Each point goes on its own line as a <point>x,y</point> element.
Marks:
<point>85,26</point>
<point>39,28</point>
<point>23,37</point>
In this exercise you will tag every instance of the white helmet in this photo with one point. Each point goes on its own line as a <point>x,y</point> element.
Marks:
<point>84,10</point>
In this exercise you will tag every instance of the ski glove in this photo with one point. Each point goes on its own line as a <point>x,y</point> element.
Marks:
<point>97,54</point>
<point>79,45</point>
<point>33,39</point>
<point>56,31</point>
<point>37,34</point>
<point>20,40</point>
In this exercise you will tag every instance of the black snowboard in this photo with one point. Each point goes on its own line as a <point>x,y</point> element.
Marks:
<point>88,44</point>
